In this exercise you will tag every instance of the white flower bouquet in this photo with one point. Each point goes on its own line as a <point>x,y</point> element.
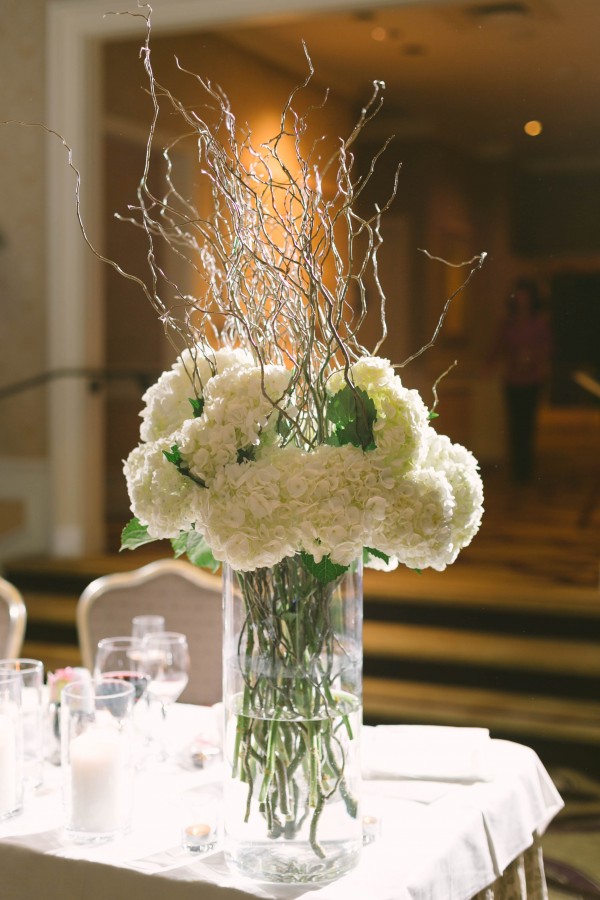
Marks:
<point>279,446</point>
<point>225,475</point>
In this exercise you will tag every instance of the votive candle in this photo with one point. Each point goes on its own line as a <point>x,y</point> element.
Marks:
<point>101,776</point>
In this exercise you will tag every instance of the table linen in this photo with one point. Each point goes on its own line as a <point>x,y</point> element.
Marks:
<point>439,840</point>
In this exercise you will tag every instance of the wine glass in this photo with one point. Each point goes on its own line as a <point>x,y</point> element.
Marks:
<point>123,658</point>
<point>167,662</point>
<point>143,625</point>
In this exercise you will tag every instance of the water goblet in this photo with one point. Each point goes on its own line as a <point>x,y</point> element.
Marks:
<point>122,658</point>
<point>167,662</point>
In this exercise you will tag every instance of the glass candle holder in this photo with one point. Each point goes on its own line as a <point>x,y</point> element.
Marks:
<point>199,838</point>
<point>11,747</point>
<point>143,625</point>
<point>31,673</point>
<point>97,751</point>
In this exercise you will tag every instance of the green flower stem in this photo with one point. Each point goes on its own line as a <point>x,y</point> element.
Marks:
<point>285,730</point>
<point>313,828</point>
<point>282,782</point>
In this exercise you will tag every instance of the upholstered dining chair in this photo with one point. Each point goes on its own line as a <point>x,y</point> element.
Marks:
<point>13,617</point>
<point>187,597</point>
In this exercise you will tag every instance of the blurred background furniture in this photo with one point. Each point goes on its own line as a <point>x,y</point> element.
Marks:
<point>188,598</point>
<point>13,617</point>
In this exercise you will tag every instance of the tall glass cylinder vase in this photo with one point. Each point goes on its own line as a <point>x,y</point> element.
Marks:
<point>292,691</point>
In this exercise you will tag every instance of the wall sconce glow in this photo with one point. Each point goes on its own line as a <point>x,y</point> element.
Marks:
<point>379,34</point>
<point>533,128</point>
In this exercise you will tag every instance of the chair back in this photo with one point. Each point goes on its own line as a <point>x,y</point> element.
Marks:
<point>187,597</point>
<point>13,618</point>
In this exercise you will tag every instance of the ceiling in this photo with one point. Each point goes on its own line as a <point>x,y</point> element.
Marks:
<point>467,73</point>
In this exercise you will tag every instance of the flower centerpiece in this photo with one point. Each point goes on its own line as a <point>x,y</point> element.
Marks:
<point>280,447</point>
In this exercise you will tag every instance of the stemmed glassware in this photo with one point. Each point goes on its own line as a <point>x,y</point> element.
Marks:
<point>167,662</point>
<point>123,658</point>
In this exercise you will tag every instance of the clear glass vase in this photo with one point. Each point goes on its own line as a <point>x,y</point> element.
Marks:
<point>292,692</point>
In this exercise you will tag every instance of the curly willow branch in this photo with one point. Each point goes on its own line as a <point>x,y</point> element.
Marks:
<point>278,267</point>
<point>477,262</point>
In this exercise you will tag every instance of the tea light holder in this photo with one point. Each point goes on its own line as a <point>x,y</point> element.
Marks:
<point>97,759</point>
<point>199,838</point>
<point>371,829</point>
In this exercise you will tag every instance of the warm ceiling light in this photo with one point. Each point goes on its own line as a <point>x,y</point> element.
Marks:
<point>532,128</point>
<point>379,34</point>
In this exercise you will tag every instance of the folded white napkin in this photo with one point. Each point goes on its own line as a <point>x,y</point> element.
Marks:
<point>431,752</point>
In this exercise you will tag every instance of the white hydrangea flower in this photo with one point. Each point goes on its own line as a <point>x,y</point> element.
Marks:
<point>168,401</point>
<point>402,417</point>
<point>206,448</point>
<point>161,498</point>
<point>417,526</point>
<point>462,471</point>
<point>370,373</point>
<point>416,497</point>
<point>247,524</point>
<point>236,415</point>
<point>340,482</point>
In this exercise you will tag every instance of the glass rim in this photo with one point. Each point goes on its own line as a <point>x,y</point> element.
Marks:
<point>123,638</point>
<point>146,616</point>
<point>25,664</point>
<point>10,676</point>
<point>167,636</point>
<point>78,689</point>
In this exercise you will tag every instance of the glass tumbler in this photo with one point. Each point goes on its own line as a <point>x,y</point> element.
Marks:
<point>31,673</point>
<point>11,747</point>
<point>97,749</point>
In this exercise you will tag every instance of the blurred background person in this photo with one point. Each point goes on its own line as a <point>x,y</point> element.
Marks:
<point>523,350</point>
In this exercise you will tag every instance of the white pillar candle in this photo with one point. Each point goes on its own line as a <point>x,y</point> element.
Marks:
<point>8,765</point>
<point>101,781</point>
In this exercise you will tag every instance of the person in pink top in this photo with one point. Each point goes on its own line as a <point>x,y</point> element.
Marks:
<point>523,348</point>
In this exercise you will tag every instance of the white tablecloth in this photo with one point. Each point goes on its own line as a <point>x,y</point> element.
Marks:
<point>439,840</point>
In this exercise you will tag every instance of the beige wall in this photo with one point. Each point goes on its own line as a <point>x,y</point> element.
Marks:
<point>24,496</point>
<point>22,189</point>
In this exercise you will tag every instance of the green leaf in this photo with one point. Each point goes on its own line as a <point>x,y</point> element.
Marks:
<point>418,571</point>
<point>174,456</point>
<point>432,415</point>
<point>197,405</point>
<point>245,454</point>
<point>194,546</point>
<point>179,544</point>
<point>352,413</point>
<point>378,554</point>
<point>284,427</point>
<point>135,535</point>
<point>324,571</point>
